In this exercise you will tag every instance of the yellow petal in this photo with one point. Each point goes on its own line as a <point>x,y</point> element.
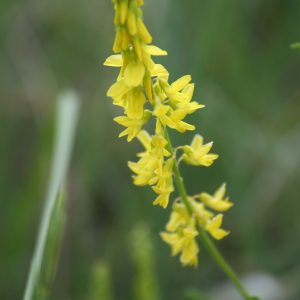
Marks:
<point>145,138</point>
<point>189,256</point>
<point>143,32</point>
<point>118,89</point>
<point>197,141</point>
<point>115,60</point>
<point>134,73</point>
<point>131,22</point>
<point>220,192</point>
<point>214,227</point>
<point>156,51</point>
<point>179,84</point>
<point>159,70</point>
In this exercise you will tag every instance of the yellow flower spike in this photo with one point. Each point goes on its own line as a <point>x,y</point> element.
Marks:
<point>115,60</point>
<point>156,51</point>
<point>214,227</point>
<point>197,153</point>
<point>134,73</point>
<point>216,201</point>
<point>141,79</point>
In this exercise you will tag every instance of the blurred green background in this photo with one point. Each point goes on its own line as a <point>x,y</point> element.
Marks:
<point>245,73</point>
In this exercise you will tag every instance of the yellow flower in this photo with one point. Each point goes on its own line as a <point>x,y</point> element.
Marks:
<point>183,241</point>
<point>214,227</point>
<point>133,126</point>
<point>179,216</point>
<point>217,200</point>
<point>201,213</point>
<point>173,119</point>
<point>149,167</point>
<point>197,153</point>
<point>164,186</point>
<point>141,82</point>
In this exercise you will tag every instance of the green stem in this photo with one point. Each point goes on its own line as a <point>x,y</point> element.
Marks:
<point>206,240</point>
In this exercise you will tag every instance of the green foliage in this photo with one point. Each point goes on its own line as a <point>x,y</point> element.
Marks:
<point>295,46</point>
<point>143,255</point>
<point>101,287</point>
<point>45,256</point>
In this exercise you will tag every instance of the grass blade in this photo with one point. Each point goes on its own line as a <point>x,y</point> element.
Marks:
<point>67,115</point>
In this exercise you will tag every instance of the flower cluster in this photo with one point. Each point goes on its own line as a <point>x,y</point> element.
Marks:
<point>143,91</point>
<point>182,227</point>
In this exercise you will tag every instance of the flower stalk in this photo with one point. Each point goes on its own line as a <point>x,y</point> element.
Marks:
<point>143,92</point>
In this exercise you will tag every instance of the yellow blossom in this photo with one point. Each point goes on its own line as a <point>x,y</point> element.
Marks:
<point>141,83</point>
<point>150,165</point>
<point>173,119</point>
<point>183,241</point>
<point>201,213</point>
<point>179,216</point>
<point>133,126</point>
<point>217,200</point>
<point>197,153</point>
<point>214,227</point>
<point>164,186</point>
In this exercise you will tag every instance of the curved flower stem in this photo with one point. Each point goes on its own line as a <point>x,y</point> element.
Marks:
<point>206,240</point>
